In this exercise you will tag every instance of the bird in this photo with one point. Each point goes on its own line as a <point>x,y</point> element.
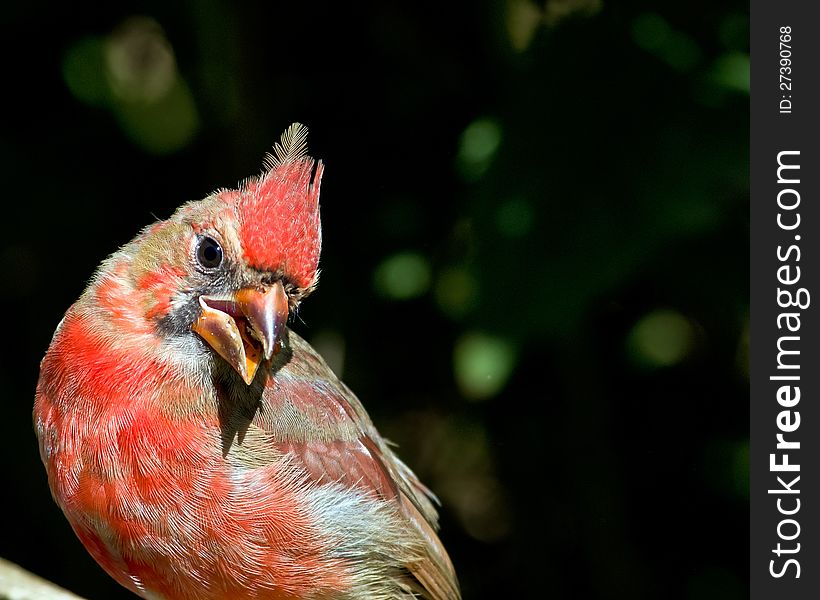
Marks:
<point>200,448</point>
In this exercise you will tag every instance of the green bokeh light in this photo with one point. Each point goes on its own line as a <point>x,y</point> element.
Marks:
<point>479,143</point>
<point>483,364</point>
<point>651,32</point>
<point>403,276</point>
<point>515,218</point>
<point>84,72</point>
<point>734,31</point>
<point>455,291</point>
<point>163,126</point>
<point>139,60</point>
<point>133,72</point>
<point>661,338</point>
<point>732,71</point>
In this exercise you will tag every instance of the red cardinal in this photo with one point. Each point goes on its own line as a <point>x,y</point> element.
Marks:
<point>202,450</point>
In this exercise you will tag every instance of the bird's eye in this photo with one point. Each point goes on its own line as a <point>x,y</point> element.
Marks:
<point>208,253</point>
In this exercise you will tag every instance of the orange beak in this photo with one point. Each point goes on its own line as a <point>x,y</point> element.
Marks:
<point>244,327</point>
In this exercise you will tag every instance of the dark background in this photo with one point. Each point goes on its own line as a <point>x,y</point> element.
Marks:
<point>535,264</point>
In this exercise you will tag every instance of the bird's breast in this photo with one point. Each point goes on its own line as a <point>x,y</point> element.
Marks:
<point>159,507</point>
<point>145,484</point>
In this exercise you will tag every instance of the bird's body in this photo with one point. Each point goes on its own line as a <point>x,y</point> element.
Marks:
<point>200,449</point>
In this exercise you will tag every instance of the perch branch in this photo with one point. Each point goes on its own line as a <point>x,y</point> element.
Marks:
<point>18,584</point>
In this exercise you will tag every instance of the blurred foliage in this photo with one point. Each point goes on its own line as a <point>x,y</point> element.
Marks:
<point>535,253</point>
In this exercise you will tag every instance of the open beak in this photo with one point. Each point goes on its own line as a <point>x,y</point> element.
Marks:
<point>244,327</point>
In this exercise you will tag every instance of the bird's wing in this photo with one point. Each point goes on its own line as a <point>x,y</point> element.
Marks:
<point>315,419</point>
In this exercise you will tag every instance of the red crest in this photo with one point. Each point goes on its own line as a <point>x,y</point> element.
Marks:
<point>279,225</point>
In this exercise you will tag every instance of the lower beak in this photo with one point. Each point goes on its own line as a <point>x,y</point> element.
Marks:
<point>244,328</point>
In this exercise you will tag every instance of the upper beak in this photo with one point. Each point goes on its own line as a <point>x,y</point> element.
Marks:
<point>244,327</point>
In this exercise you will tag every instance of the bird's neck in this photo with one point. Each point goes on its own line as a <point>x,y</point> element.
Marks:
<point>111,348</point>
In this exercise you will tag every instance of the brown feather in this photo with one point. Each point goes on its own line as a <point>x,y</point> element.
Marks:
<point>307,413</point>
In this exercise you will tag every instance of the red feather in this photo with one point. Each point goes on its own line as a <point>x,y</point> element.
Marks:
<point>280,229</point>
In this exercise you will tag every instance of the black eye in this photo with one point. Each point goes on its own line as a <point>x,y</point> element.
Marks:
<point>208,253</point>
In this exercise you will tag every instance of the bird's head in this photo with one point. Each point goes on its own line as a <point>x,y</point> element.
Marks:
<point>229,269</point>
